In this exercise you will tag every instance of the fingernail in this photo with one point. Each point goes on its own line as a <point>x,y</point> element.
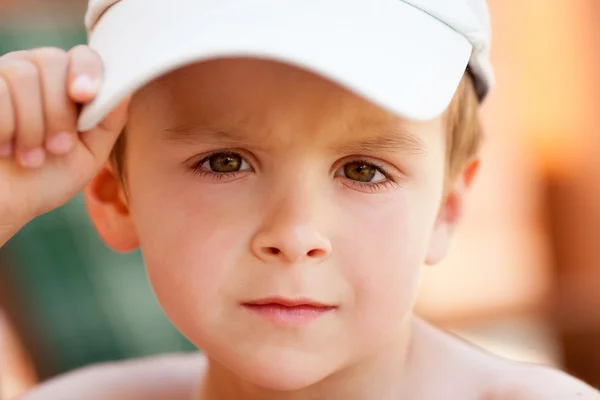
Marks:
<point>32,158</point>
<point>61,143</point>
<point>6,150</point>
<point>83,84</point>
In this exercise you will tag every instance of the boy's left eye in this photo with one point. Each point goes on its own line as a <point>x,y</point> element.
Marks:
<point>224,163</point>
<point>361,172</point>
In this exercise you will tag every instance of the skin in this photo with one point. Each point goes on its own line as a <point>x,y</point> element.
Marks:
<point>294,221</point>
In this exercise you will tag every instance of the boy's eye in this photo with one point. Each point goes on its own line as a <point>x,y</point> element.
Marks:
<point>362,172</point>
<point>224,163</point>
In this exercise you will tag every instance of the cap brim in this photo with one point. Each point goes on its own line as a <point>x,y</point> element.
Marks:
<point>389,52</point>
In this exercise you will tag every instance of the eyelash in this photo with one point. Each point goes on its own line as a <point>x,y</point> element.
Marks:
<point>388,182</point>
<point>216,175</point>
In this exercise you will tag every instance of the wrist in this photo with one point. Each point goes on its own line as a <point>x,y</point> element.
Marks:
<point>10,224</point>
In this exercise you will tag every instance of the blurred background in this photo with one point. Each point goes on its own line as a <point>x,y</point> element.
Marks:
<point>523,279</point>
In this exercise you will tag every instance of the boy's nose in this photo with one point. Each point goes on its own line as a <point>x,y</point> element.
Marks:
<point>291,236</point>
<point>300,244</point>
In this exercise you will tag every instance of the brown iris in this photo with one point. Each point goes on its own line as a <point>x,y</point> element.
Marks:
<point>225,163</point>
<point>361,172</point>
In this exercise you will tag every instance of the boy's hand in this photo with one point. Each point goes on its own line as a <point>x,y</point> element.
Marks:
<point>44,161</point>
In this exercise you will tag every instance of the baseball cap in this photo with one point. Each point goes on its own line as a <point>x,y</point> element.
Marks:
<point>407,56</point>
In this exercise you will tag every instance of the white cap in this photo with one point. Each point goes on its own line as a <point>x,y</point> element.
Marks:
<point>407,56</point>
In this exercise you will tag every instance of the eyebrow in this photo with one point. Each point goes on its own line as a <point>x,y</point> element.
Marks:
<point>386,138</point>
<point>195,133</point>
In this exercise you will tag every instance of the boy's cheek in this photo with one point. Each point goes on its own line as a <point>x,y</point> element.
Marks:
<point>385,282</point>
<point>190,282</point>
<point>190,253</point>
<point>387,258</point>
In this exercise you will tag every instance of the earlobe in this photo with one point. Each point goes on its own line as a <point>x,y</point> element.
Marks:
<point>109,212</point>
<point>450,214</point>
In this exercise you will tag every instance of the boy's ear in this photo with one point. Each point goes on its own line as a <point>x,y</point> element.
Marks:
<point>451,212</point>
<point>107,206</point>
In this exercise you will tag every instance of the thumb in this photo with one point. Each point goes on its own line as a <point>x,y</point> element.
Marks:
<point>101,139</point>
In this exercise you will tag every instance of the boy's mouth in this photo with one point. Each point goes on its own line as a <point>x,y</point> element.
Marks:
<point>288,312</point>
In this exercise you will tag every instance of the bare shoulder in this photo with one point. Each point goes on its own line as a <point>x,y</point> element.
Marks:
<point>473,373</point>
<point>152,378</point>
<point>531,382</point>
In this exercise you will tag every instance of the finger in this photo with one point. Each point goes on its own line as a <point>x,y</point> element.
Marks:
<point>60,112</point>
<point>7,120</point>
<point>16,55</point>
<point>85,74</point>
<point>100,140</point>
<point>7,110</point>
<point>23,81</point>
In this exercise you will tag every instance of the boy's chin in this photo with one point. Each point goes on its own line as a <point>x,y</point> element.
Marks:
<point>283,369</point>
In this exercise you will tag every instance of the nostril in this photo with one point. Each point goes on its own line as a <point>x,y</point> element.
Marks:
<point>316,253</point>
<point>273,250</point>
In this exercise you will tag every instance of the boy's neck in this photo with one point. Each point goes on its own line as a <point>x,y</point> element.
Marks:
<point>384,375</point>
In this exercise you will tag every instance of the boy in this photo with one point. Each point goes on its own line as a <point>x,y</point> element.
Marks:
<point>286,168</point>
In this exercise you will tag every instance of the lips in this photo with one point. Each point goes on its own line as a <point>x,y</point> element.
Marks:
<point>288,312</point>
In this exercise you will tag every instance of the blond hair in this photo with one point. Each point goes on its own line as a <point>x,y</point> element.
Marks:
<point>464,130</point>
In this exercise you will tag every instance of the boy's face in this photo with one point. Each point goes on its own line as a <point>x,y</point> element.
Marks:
<point>250,180</point>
